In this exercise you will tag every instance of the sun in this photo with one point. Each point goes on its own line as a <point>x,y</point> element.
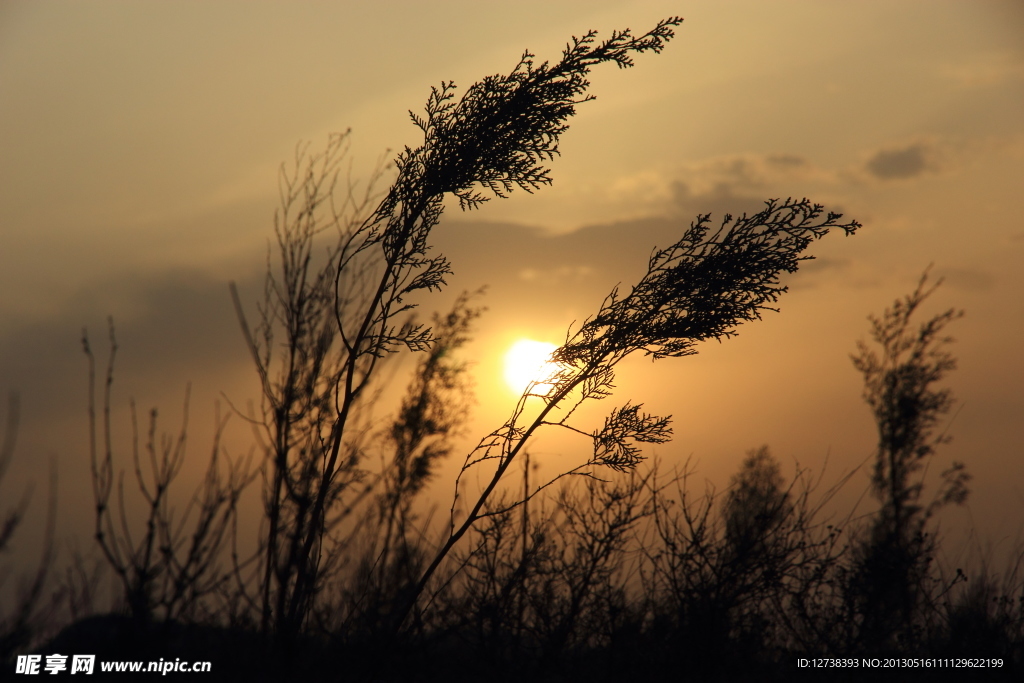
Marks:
<point>529,361</point>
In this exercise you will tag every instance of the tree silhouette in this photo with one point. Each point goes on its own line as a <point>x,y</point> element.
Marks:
<point>899,386</point>
<point>756,506</point>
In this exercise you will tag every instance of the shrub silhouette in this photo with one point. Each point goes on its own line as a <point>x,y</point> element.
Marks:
<point>899,382</point>
<point>19,627</point>
<point>172,570</point>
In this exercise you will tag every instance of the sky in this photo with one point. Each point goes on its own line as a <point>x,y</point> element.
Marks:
<point>138,177</point>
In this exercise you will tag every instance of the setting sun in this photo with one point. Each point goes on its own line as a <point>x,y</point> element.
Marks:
<point>529,361</point>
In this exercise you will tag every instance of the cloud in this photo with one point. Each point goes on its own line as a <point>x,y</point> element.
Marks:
<point>733,184</point>
<point>741,183</point>
<point>588,261</point>
<point>557,275</point>
<point>901,163</point>
<point>172,327</point>
<point>969,279</point>
<point>985,70</point>
<point>522,262</point>
<point>742,173</point>
<point>816,271</point>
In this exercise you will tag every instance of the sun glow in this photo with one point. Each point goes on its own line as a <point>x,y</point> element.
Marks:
<point>529,361</point>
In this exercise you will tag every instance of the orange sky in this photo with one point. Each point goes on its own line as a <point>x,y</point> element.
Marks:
<point>137,177</point>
